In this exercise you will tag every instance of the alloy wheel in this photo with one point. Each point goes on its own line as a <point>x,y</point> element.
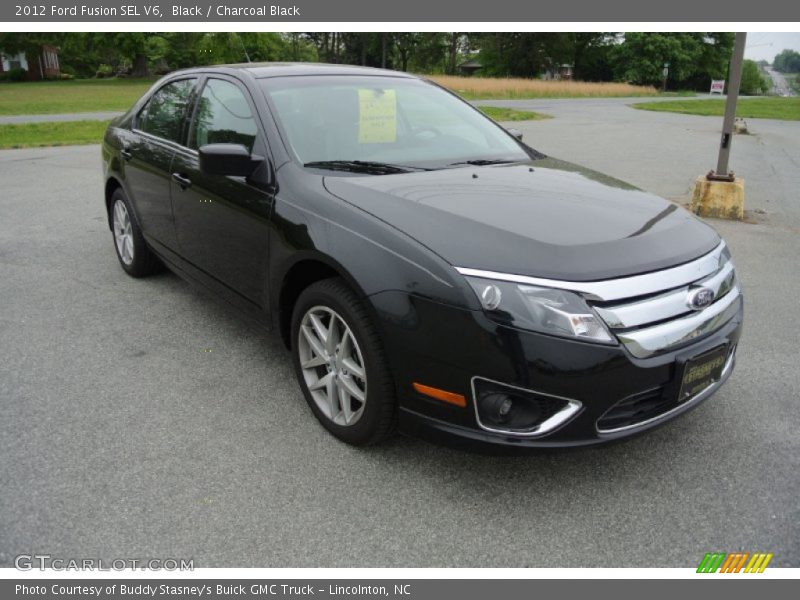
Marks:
<point>332,365</point>
<point>123,235</point>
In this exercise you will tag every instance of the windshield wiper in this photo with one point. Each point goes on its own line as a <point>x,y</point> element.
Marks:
<point>482,162</point>
<point>363,166</point>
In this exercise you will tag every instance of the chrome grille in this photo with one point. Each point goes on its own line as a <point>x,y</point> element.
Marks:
<point>657,322</point>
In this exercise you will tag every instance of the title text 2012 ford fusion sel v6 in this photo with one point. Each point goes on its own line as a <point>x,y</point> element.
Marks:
<point>426,269</point>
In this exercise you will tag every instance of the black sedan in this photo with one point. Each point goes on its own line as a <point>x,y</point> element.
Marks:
<point>426,269</point>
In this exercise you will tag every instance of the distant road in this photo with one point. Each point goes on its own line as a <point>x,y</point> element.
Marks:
<point>87,116</point>
<point>779,84</point>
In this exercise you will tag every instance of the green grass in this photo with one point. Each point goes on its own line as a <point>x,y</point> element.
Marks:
<point>499,113</point>
<point>80,95</point>
<point>58,133</point>
<point>785,109</point>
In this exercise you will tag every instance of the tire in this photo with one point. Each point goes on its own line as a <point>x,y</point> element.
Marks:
<point>372,419</point>
<point>135,257</point>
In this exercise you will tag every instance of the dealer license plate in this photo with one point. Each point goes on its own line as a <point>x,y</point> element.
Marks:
<point>702,371</point>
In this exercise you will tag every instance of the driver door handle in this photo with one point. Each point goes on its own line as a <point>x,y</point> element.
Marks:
<point>126,154</point>
<point>182,180</point>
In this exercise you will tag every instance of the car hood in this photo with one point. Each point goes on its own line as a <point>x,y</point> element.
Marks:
<point>547,219</point>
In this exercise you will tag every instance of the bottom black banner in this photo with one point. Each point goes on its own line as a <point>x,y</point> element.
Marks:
<point>398,589</point>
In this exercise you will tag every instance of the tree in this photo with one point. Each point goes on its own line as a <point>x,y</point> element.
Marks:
<point>81,53</point>
<point>788,61</point>
<point>131,45</point>
<point>329,45</point>
<point>183,48</point>
<point>752,80</point>
<point>694,58</point>
<point>714,60</point>
<point>530,54</point>
<point>406,44</point>
<point>233,47</point>
<point>453,41</point>
<point>589,53</point>
<point>513,54</point>
<point>430,53</point>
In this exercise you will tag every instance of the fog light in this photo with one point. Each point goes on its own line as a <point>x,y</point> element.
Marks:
<point>505,408</point>
<point>501,407</point>
<point>496,407</point>
<point>512,411</point>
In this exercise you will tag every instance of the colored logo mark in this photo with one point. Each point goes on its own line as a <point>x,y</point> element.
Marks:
<point>736,562</point>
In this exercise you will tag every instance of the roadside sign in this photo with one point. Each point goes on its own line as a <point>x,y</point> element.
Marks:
<point>717,86</point>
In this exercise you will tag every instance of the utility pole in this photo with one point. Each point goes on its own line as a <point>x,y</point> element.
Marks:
<point>722,173</point>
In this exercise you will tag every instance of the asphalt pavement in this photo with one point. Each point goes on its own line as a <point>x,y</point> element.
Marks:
<point>665,152</point>
<point>138,418</point>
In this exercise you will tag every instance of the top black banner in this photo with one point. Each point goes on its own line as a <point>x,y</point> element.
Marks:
<point>444,11</point>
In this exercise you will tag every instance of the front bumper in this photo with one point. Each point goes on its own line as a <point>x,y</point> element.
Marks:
<point>447,347</point>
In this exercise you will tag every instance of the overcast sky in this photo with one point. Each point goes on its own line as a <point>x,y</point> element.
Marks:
<point>764,46</point>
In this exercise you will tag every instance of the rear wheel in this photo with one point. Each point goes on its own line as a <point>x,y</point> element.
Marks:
<point>340,364</point>
<point>134,256</point>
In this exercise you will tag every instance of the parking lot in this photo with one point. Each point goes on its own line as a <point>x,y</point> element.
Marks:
<point>140,419</point>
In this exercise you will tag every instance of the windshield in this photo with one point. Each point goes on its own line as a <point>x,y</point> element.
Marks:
<point>397,121</point>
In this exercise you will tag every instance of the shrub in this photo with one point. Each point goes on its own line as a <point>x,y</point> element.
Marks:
<point>104,71</point>
<point>752,80</point>
<point>17,74</point>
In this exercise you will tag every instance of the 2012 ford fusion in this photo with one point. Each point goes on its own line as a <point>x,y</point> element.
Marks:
<point>427,270</point>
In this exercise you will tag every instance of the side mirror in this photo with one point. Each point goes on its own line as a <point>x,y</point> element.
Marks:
<point>516,133</point>
<point>228,159</point>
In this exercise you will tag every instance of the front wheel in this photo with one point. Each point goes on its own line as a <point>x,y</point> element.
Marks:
<point>340,364</point>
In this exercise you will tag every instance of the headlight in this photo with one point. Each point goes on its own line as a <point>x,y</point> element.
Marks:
<point>546,310</point>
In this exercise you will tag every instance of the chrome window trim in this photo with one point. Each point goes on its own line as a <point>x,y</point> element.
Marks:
<point>625,287</point>
<point>547,426</point>
<point>696,399</point>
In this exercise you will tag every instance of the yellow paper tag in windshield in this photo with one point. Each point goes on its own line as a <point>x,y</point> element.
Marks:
<point>377,116</point>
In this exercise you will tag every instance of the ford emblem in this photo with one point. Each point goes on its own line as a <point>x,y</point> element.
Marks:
<point>700,297</point>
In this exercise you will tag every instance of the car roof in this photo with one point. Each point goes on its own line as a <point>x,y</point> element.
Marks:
<point>263,70</point>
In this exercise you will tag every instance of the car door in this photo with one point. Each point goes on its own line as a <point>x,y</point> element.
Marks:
<point>158,130</point>
<point>222,222</point>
